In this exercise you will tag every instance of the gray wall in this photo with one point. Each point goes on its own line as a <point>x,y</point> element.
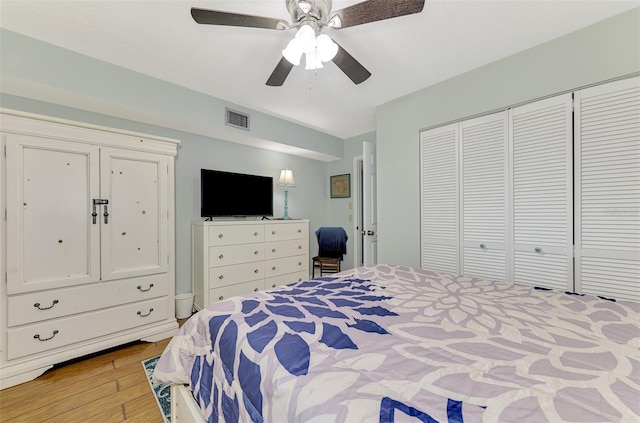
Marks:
<point>607,50</point>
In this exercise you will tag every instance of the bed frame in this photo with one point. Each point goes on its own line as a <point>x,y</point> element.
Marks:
<point>184,408</point>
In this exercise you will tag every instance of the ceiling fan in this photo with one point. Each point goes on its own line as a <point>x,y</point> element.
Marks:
<point>311,17</point>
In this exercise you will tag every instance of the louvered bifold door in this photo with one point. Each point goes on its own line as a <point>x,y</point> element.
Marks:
<point>607,163</point>
<point>439,199</point>
<point>541,145</point>
<point>484,196</point>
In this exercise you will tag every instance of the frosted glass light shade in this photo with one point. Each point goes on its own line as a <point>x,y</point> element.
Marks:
<point>286,178</point>
<point>293,52</point>
<point>306,37</point>
<point>327,49</point>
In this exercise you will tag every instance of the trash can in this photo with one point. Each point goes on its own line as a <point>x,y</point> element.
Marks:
<point>184,305</point>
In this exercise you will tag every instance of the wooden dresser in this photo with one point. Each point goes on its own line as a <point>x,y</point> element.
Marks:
<point>237,257</point>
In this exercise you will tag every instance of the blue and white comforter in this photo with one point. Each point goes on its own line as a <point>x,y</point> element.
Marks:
<point>396,344</point>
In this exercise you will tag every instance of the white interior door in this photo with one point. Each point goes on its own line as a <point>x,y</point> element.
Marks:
<point>439,199</point>
<point>542,187</point>
<point>370,215</point>
<point>134,236</point>
<point>484,196</point>
<point>51,239</point>
<point>607,195</point>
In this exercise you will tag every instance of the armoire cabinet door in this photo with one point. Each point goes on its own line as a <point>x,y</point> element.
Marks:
<point>542,193</point>
<point>484,196</point>
<point>134,237</point>
<point>51,241</point>
<point>607,173</point>
<point>439,199</point>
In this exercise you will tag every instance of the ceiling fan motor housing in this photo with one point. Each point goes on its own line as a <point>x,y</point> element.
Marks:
<point>318,10</point>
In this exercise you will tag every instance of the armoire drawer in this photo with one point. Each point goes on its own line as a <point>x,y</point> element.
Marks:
<point>231,275</point>
<point>44,305</point>
<point>279,249</point>
<point>235,234</point>
<point>235,254</point>
<point>57,333</point>
<point>280,232</point>
<point>285,265</point>
<point>224,292</point>
<point>286,279</point>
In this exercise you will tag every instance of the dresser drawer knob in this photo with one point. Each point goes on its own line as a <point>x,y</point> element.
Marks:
<point>221,256</point>
<point>221,298</point>
<point>145,315</point>
<point>273,286</point>
<point>55,332</point>
<point>255,252</point>
<point>273,268</point>
<point>273,250</point>
<point>37,305</point>
<point>299,247</point>
<point>256,289</point>
<point>220,236</point>
<point>145,290</point>
<point>255,234</point>
<point>221,277</point>
<point>299,230</point>
<point>256,271</point>
<point>273,232</point>
<point>299,263</point>
<point>537,250</point>
<point>483,246</point>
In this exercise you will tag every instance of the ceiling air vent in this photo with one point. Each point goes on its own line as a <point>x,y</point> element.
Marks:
<point>237,119</point>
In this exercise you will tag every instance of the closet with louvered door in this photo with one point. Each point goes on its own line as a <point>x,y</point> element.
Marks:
<point>439,199</point>
<point>541,145</point>
<point>484,196</point>
<point>607,180</point>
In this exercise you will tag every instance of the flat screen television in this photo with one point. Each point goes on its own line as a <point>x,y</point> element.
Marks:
<point>235,194</point>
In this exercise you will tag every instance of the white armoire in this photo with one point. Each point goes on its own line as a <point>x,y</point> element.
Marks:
<point>87,241</point>
<point>544,194</point>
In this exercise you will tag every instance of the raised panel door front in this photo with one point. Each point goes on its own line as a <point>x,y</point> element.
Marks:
<point>52,241</point>
<point>134,235</point>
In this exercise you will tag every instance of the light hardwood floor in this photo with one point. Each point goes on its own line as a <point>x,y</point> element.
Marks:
<point>101,388</point>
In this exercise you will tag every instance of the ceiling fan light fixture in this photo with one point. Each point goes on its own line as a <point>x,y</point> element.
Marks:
<point>306,38</point>
<point>313,61</point>
<point>327,49</point>
<point>293,52</point>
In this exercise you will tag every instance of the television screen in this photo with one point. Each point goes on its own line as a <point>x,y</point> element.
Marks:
<point>235,194</point>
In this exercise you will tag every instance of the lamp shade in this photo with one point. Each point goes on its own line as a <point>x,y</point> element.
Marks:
<point>286,178</point>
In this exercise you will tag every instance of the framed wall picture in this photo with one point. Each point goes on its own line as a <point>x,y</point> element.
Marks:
<point>340,186</point>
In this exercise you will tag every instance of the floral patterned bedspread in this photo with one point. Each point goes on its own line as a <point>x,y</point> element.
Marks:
<point>397,344</point>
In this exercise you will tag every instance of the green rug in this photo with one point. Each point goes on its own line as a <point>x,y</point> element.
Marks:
<point>161,392</point>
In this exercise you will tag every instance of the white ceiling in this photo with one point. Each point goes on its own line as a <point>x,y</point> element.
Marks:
<point>159,38</point>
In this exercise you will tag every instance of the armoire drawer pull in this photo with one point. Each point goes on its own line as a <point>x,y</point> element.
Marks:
<point>273,250</point>
<point>221,277</point>
<point>55,332</point>
<point>256,271</point>
<point>299,247</point>
<point>255,234</point>
<point>255,252</point>
<point>221,256</point>
<point>37,305</point>
<point>145,290</point>
<point>221,298</point>
<point>299,231</point>
<point>273,286</point>
<point>145,315</point>
<point>273,232</point>
<point>537,250</point>
<point>220,236</point>
<point>273,268</point>
<point>299,263</point>
<point>483,246</point>
<point>256,289</point>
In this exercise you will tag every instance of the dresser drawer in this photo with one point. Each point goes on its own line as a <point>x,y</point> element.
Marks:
<point>44,305</point>
<point>235,254</point>
<point>281,232</point>
<point>52,334</point>
<point>286,279</point>
<point>231,275</point>
<point>279,249</point>
<point>285,265</point>
<point>235,234</point>
<point>224,292</point>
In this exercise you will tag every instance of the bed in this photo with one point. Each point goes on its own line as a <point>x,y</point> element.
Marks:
<point>397,344</point>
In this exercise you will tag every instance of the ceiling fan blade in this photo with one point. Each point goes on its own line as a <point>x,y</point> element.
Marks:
<point>350,66</point>
<point>216,17</point>
<point>280,73</point>
<point>376,10</point>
